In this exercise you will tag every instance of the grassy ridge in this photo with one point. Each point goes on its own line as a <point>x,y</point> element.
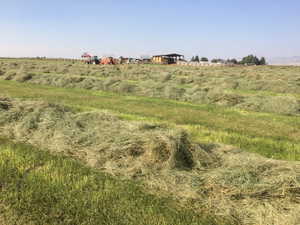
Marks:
<point>37,188</point>
<point>272,135</point>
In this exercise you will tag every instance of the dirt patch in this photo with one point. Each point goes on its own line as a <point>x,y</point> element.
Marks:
<point>222,179</point>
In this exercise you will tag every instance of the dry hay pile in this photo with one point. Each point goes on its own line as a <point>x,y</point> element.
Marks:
<point>224,180</point>
<point>98,138</point>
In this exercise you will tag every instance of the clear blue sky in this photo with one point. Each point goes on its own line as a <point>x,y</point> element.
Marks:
<point>212,28</point>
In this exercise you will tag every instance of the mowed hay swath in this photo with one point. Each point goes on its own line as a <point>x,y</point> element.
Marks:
<point>39,188</point>
<point>98,138</point>
<point>272,135</point>
<point>274,89</point>
<point>220,179</point>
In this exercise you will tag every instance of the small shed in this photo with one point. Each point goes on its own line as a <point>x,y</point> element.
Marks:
<point>167,59</point>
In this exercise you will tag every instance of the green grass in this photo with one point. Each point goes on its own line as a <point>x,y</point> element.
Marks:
<point>272,135</point>
<point>39,188</point>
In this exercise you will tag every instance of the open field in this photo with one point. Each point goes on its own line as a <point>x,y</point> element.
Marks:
<point>144,125</point>
<point>264,89</point>
<point>211,179</point>
<point>272,135</point>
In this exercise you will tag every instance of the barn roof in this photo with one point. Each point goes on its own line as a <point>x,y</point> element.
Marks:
<point>169,55</point>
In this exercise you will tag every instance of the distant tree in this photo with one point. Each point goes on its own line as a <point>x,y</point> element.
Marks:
<point>232,61</point>
<point>256,61</point>
<point>253,60</point>
<point>195,59</point>
<point>204,59</point>
<point>247,59</point>
<point>217,60</point>
<point>262,61</point>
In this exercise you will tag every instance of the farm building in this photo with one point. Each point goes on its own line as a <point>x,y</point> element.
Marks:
<point>167,59</point>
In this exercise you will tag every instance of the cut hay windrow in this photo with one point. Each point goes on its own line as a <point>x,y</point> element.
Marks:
<point>42,188</point>
<point>259,89</point>
<point>246,187</point>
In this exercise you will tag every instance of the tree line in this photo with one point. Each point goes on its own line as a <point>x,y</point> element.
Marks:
<point>248,60</point>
